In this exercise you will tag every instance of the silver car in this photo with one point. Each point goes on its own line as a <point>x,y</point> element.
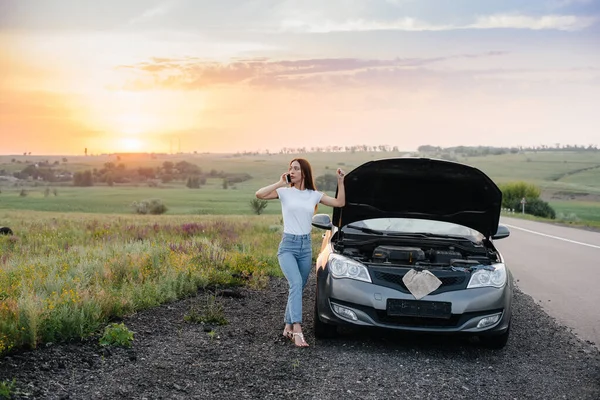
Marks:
<point>413,250</point>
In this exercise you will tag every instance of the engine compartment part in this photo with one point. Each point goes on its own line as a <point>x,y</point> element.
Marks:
<point>393,254</point>
<point>443,256</point>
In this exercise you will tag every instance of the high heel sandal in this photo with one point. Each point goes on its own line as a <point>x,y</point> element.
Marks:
<point>288,334</point>
<point>301,336</point>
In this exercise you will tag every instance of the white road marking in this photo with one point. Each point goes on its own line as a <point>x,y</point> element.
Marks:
<point>553,237</point>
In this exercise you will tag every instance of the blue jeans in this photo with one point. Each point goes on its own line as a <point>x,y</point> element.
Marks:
<point>295,260</point>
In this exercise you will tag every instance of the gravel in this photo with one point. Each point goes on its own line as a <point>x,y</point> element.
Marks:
<point>248,358</point>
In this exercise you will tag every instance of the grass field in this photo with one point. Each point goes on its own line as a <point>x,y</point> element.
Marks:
<point>210,199</point>
<point>64,275</point>
<point>570,181</point>
<point>584,210</point>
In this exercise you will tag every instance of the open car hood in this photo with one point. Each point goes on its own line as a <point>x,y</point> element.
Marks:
<point>421,188</point>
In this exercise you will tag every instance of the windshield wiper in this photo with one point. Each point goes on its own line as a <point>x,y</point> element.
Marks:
<point>407,234</point>
<point>427,234</point>
<point>365,230</point>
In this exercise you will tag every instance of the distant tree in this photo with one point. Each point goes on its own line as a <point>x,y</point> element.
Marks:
<point>193,182</point>
<point>83,178</point>
<point>110,179</point>
<point>146,172</point>
<point>327,182</point>
<point>428,149</point>
<point>168,167</point>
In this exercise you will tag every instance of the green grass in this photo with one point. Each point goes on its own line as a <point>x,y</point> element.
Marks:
<point>210,199</point>
<point>584,210</point>
<point>64,275</point>
<point>553,172</point>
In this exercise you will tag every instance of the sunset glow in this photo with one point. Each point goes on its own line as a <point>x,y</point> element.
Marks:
<point>151,74</point>
<point>129,144</point>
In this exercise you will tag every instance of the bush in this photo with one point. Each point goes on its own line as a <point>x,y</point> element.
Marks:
<point>258,205</point>
<point>117,335</point>
<point>540,208</point>
<point>7,389</point>
<point>238,178</point>
<point>152,206</point>
<point>212,314</point>
<point>513,192</point>
<point>536,207</point>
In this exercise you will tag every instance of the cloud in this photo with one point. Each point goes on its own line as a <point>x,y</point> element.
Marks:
<point>153,12</point>
<point>558,22</point>
<point>496,21</point>
<point>194,73</point>
<point>360,25</point>
<point>566,3</point>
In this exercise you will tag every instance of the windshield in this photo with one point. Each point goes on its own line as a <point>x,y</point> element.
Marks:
<point>409,225</point>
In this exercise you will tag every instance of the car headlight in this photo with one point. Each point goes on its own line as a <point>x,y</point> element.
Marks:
<point>485,277</point>
<point>342,267</point>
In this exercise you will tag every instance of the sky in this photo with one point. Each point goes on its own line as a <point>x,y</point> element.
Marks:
<point>257,75</point>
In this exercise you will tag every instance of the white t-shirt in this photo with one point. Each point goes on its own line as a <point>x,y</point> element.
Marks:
<point>298,208</point>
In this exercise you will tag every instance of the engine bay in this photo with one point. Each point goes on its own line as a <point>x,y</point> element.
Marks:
<point>434,256</point>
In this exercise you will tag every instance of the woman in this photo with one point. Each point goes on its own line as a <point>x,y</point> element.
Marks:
<point>298,205</point>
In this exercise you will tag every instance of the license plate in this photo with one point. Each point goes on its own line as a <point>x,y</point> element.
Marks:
<point>419,308</point>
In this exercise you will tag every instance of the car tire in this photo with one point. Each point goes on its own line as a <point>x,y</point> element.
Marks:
<point>496,341</point>
<point>321,329</point>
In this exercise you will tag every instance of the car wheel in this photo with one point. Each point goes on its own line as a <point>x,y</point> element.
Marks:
<point>320,328</point>
<point>495,342</point>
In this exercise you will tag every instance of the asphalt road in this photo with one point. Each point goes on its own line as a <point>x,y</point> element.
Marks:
<point>559,267</point>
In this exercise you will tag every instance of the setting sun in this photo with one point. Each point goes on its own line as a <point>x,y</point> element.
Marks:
<point>129,144</point>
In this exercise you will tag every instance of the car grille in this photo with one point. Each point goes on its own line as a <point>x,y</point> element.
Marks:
<point>418,321</point>
<point>451,280</point>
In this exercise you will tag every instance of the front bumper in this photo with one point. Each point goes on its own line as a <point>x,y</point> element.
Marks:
<point>368,302</point>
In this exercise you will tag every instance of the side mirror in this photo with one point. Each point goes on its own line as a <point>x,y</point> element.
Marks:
<point>322,221</point>
<point>501,233</point>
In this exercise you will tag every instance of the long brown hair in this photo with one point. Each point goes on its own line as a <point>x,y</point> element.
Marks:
<point>306,169</point>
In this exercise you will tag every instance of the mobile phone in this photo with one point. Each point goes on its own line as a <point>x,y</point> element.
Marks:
<point>288,178</point>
